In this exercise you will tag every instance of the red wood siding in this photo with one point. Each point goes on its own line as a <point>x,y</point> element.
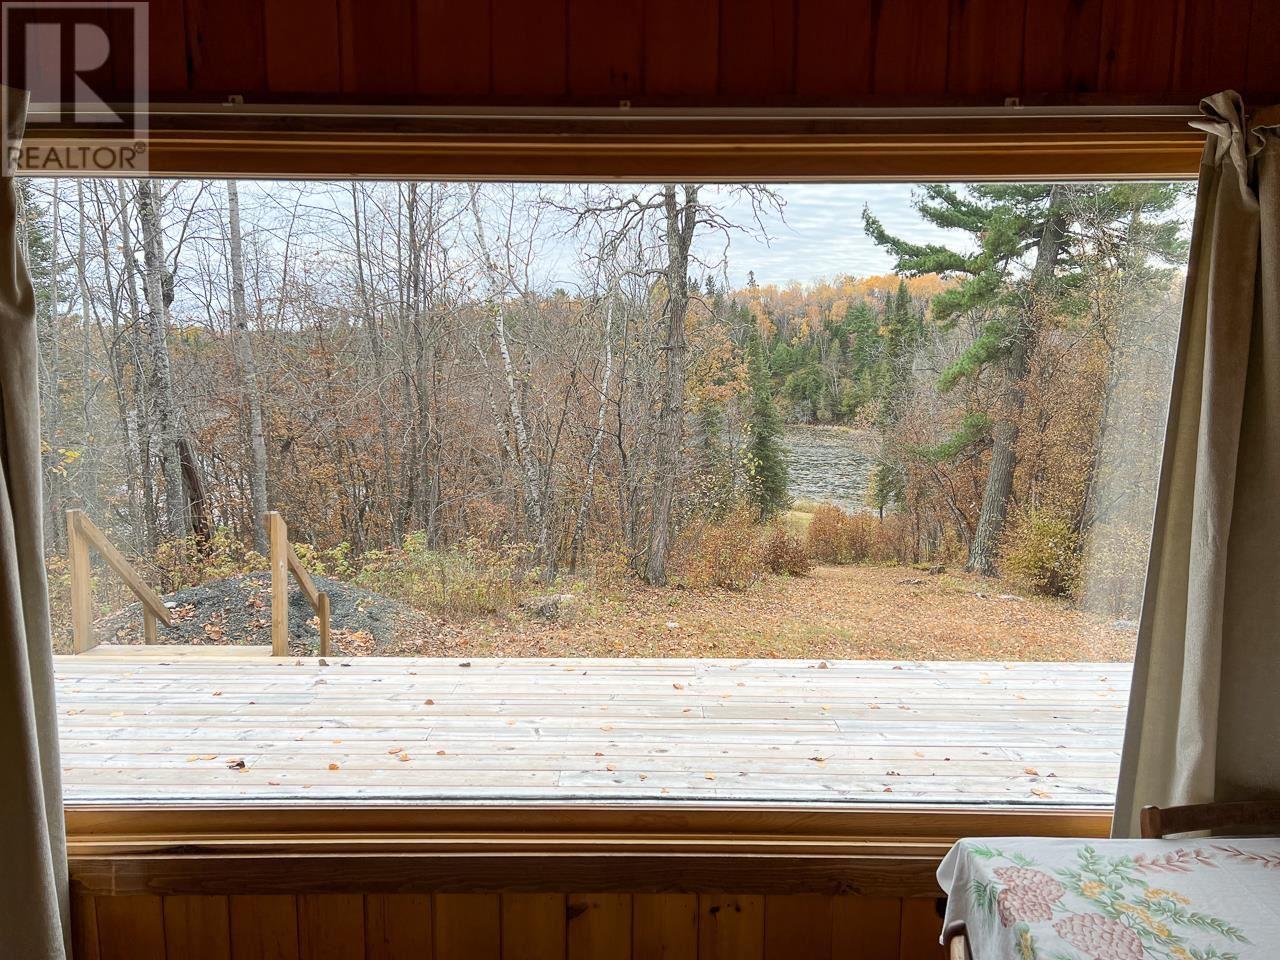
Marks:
<point>712,52</point>
<point>505,926</point>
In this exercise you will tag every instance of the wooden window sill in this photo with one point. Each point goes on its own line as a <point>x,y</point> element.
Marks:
<point>881,851</point>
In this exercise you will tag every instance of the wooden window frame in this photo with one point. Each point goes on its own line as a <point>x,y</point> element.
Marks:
<point>645,144</point>
<point>883,850</point>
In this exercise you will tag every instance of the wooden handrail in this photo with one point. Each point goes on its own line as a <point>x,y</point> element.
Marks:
<point>83,533</point>
<point>284,560</point>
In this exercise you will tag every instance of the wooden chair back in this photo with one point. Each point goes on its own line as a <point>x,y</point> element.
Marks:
<point>1159,822</point>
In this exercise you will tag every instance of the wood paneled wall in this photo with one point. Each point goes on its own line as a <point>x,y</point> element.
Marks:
<point>713,52</point>
<point>509,926</point>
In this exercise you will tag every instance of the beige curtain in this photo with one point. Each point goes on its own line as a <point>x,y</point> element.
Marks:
<point>1204,718</point>
<point>33,856</point>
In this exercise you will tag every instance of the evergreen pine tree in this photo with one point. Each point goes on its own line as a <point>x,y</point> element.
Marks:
<point>900,333</point>
<point>1018,269</point>
<point>767,461</point>
<point>864,339</point>
<point>713,464</point>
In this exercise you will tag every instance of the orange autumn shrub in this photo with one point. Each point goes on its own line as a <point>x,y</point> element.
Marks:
<point>725,553</point>
<point>785,554</point>
<point>838,537</point>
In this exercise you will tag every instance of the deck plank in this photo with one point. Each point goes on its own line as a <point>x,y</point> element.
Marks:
<point>175,726</point>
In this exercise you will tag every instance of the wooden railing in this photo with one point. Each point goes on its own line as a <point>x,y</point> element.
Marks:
<point>284,560</point>
<point>83,533</point>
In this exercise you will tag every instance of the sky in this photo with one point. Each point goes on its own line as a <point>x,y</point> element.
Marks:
<point>817,236</point>
<point>820,234</point>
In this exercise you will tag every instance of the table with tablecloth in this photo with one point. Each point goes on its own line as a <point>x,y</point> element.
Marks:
<point>1025,898</point>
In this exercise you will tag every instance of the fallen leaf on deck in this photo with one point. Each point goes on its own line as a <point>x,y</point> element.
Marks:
<point>334,766</point>
<point>396,750</point>
<point>216,693</point>
<point>1031,771</point>
<point>429,703</point>
<point>235,764</point>
<point>709,776</point>
<point>404,758</point>
<point>678,686</point>
<point>611,766</point>
<point>439,753</point>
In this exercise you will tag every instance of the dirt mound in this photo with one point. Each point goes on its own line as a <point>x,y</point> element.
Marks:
<point>237,611</point>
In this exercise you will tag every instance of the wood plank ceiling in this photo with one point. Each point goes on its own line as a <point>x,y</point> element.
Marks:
<point>713,52</point>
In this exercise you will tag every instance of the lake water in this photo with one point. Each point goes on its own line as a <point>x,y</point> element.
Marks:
<point>830,464</point>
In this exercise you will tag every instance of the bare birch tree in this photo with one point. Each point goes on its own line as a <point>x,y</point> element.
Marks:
<point>249,371</point>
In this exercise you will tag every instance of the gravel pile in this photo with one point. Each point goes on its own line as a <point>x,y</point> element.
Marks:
<point>238,611</point>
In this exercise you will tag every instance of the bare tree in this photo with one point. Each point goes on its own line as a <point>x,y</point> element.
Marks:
<point>249,371</point>
<point>157,285</point>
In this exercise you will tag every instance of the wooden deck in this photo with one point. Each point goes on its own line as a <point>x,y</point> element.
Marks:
<point>160,725</point>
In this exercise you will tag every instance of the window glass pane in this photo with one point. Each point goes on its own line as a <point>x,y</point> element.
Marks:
<point>803,492</point>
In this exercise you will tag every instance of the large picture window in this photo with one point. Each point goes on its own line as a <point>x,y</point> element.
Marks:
<point>825,493</point>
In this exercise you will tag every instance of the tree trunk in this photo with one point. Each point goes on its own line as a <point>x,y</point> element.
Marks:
<point>530,482</point>
<point>51,415</point>
<point>114,355</point>
<point>584,506</point>
<point>682,218</point>
<point>197,499</point>
<point>1004,439</point>
<point>88,455</point>
<point>533,493</point>
<point>142,436</point>
<point>168,428</point>
<point>379,366</point>
<point>249,370</point>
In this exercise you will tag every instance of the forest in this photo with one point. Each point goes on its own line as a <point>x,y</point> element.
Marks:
<point>470,396</point>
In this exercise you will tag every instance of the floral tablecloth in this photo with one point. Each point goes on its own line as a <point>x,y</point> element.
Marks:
<point>1039,899</point>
